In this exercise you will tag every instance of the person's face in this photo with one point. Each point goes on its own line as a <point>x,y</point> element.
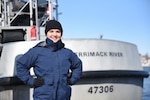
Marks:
<point>54,35</point>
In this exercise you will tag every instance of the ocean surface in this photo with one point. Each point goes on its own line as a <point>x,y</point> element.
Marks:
<point>146,86</point>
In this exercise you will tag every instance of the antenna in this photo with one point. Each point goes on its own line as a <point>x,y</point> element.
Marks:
<point>101,36</point>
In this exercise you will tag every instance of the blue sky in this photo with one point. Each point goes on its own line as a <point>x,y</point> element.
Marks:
<point>123,20</point>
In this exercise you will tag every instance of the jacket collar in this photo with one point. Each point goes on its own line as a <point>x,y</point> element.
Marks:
<point>54,46</point>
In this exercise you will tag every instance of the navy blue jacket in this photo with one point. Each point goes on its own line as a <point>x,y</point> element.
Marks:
<point>52,62</point>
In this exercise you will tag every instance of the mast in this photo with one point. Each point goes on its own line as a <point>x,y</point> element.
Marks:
<point>56,9</point>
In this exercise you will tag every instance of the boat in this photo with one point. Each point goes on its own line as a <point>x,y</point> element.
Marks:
<point>111,68</point>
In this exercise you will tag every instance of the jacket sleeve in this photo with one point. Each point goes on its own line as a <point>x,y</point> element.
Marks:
<point>24,63</point>
<point>76,68</point>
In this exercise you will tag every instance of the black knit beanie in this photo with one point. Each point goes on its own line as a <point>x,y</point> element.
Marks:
<point>53,24</point>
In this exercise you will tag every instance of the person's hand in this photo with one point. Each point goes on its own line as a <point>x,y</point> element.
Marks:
<point>69,82</point>
<point>38,82</point>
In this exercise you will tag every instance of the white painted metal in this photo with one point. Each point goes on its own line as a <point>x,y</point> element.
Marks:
<point>106,55</point>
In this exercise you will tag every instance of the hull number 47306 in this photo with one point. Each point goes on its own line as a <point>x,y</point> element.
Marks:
<point>100,89</point>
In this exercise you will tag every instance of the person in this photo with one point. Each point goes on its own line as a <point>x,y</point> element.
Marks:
<point>56,68</point>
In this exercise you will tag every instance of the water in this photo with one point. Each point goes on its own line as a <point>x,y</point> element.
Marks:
<point>146,87</point>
